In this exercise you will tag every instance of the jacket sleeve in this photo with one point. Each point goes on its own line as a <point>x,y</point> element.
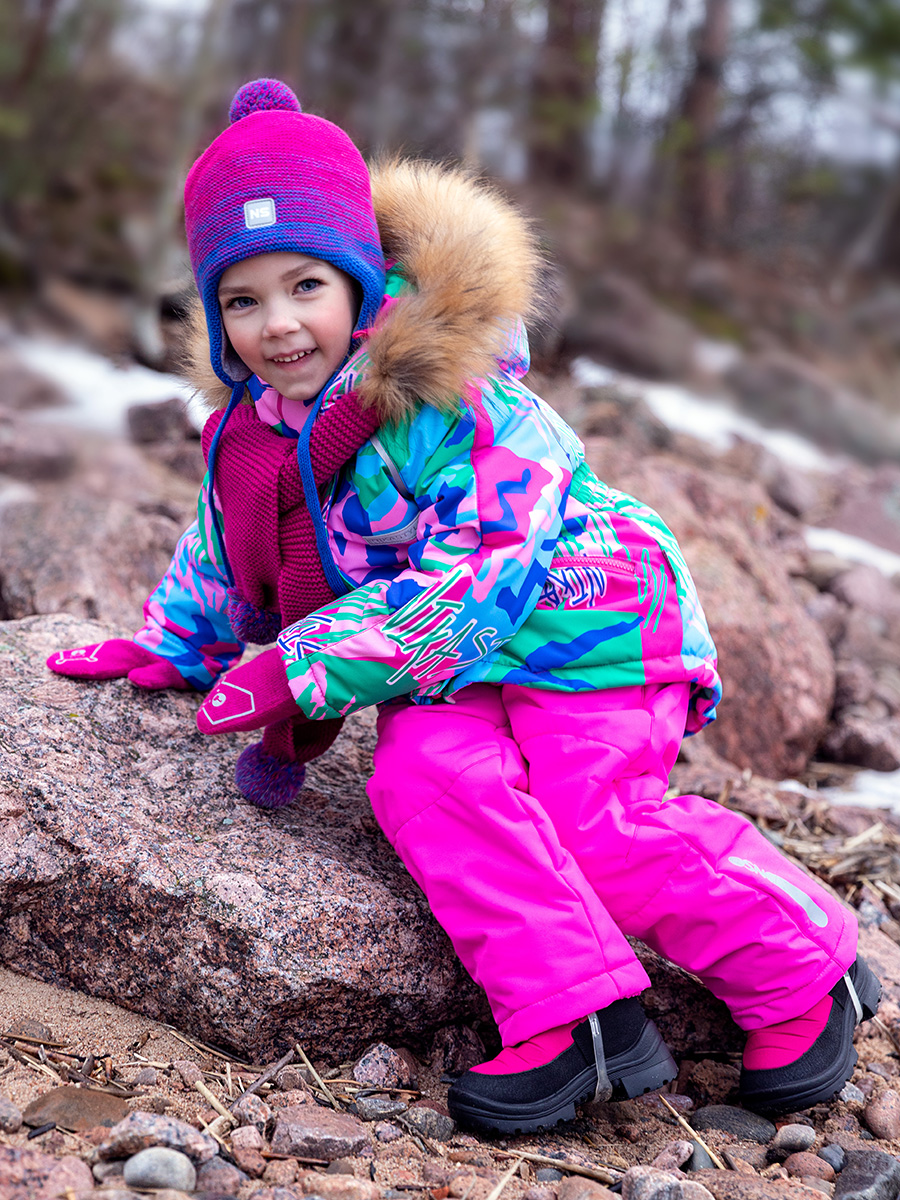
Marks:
<point>490,512</point>
<point>185,616</point>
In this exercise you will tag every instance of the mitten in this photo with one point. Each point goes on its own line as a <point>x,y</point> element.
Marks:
<point>270,774</point>
<point>116,659</point>
<point>248,697</point>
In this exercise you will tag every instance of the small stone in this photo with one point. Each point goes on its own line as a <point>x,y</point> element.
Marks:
<point>294,1096</point>
<point>547,1175</point>
<point>744,1125</point>
<point>382,1066</point>
<point>247,1137</point>
<point>751,1153</point>
<point>26,1027</point>
<point>673,1155</point>
<point>10,1116</point>
<point>821,1185</point>
<point>653,1100</point>
<point>470,1187</point>
<point>337,1187</point>
<point>386,1132</point>
<point>647,1183</point>
<point>376,1108</point>
<point>159,1167</point>
<point>250,1110</point>
<point>309,1131</point>
<point>700,1159</point>
<point>340,1166</point>
<point>879,1069</point>
<point>851,1094</point>
<point>141,1130</point>
<point>456,1048</point>
<point>189,1071</point>
<point>108,1170</point>
<point>577,1187</point>
<point>834,1155</point>
<point>792,1138</point>
<point>539,1192</point>
<point>70,1174</point>
<point>75,1108</point>
<point>220,1177</point>
<point>146,1077</point>
<point>292,1079</point>
<point>868,1175</point>
<point>803,1163</point>
<point>281,1172</point>
<point>427,1120</point>
<point>249,1161</point>
<point>882,1115</point>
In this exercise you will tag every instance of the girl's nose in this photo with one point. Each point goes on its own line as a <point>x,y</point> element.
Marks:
<point>281,318</point>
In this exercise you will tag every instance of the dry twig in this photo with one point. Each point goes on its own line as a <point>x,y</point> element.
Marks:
<point>317,1077</point>
<point>694,1135</point>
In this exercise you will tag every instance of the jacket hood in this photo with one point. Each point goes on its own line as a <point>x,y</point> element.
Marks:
<point>473,261</point>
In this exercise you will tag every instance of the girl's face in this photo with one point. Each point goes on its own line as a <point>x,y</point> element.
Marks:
<point>289,318</point>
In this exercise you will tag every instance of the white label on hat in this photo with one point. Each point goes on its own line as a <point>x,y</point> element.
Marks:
<point>258,213</point>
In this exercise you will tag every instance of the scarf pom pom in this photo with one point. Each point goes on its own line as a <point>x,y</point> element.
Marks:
<point>266,781</point>
<point>251,624</point>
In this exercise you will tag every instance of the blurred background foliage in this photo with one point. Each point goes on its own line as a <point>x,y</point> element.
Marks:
<point>757,138</point>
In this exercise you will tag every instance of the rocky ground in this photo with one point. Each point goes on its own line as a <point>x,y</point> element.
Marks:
<point>130,871</point>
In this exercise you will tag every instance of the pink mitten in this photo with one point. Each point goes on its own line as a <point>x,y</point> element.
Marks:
<point>115,659</point>
<point>248,697</point>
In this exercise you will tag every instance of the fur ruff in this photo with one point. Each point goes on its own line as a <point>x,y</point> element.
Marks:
<point>473,259</point>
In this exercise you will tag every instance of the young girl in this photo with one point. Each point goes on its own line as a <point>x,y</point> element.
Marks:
<point>421,532</point>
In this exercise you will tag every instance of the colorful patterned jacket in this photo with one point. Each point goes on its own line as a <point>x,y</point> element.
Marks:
<point>477,544</point>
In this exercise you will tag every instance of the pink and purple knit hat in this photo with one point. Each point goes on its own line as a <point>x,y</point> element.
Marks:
<point>278,179</point>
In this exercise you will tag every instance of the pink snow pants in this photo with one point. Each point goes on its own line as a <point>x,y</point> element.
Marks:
<point>538,827</point>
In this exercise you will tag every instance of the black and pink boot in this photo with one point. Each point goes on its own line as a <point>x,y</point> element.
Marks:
<point>611,1055</point>
<point>792,1065</point>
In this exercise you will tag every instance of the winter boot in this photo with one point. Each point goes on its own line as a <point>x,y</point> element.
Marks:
<point>613,1054</point>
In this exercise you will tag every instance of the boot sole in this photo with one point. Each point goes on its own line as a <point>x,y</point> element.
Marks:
<point>795,1097</point>
<point>646,1066</point>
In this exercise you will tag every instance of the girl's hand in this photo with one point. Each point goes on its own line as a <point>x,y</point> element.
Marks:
<point>249,696</point>
<point>116,659</point>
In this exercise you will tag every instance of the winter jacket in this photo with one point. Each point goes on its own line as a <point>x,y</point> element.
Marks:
<point>476,543</point>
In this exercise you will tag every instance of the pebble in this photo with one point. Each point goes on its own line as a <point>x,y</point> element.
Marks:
<point>159,1167</point>
<point>141,1130</point>
<point>834,1155</point>
<point>431,1123</point>
<point>746,1126</point>
<point>377,1108</point>
<point>578,1187</point>
<point>882,1115</point>
<point>70,1174</point>
<point>280,1172</point>
<point>700,1159</point>
<point>673,1155</point>
<point>653,1100</point>
<point>219,1176</point>
<point>792,1138</point>
<point>821,1185</point>
<point>537,1192</point>
<point>879,1069</point>
<point>547,1175</point>
<point>146,1077</point>
<point>803,1163</point>
<point>868,1175</point>
<point>338,1187</point>
<point>647,1183</point>
<point>250,1110</point>
<point>851,1094</point>
<point>308,1131</point>
<point>386,1132</point>
<point>382,1066</point>
<point>247,1137</point>
<point>249,1161</point>
<point>107,1170</point>
<point>10,1116</point>
<point>292,1078</point>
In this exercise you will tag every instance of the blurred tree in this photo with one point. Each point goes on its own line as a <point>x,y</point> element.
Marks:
<point>564,93</point>
<point>700,174</point>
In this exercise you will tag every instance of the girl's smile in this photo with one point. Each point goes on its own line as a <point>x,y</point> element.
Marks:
<point>289,318</point>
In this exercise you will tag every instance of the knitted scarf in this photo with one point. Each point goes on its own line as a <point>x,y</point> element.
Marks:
<point>270,536</point>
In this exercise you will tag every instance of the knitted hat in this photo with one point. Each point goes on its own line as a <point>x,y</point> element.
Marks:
<point>278,179</point>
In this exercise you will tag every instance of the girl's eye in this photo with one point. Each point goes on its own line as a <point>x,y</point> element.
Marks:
<point>308,285</point>
<point>240,302</point>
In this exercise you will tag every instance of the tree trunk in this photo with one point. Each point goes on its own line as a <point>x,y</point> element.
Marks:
<point>564,93</point>
<point>701,184</point>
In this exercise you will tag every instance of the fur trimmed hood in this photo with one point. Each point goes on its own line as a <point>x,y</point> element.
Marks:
<point>474,262</point>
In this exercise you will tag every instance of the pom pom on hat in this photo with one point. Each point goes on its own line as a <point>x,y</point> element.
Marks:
<point>262,95</point>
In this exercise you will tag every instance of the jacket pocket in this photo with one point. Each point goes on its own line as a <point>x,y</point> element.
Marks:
<point>581,581</point>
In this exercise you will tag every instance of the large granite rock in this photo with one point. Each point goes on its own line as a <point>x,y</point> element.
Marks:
<point>776,663</point>
<point>131,869</point>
